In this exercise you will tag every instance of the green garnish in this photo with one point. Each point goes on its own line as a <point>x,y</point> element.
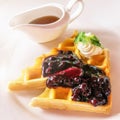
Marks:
<point>91,38</point>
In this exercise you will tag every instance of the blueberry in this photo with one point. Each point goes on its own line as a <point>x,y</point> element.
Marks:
<point>94,101</point>
<point>86,91</point>
<point>107,91</point>
<point>83,86</point>
<point>98,94</point>
<point>76,94</point>
<point>48,70</point>
<point>102,101</point>
<point>60,52</point>
<point>68,52</point>
<point>77,80</point>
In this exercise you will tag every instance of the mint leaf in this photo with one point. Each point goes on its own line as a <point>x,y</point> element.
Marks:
<point>80,37</point>
<point>84,38</point>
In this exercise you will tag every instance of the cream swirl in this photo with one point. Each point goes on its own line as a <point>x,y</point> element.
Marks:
<point>89,49</point>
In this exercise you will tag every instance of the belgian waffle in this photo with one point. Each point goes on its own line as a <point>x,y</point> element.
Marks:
<point>60,98</point>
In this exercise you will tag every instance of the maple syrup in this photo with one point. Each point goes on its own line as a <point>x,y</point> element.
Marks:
<point>44,20</point>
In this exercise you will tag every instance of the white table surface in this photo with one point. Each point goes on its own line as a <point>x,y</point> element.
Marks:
<point>101,17</point>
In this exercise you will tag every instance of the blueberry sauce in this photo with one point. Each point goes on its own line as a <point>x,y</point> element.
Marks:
<point>89,83</point>
<point>62,61</point>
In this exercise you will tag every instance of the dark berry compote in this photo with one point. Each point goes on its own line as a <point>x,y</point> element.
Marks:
<point>59,62</point>
<point>88,83</point>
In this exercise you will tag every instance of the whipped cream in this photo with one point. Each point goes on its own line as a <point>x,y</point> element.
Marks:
<point>89,49</point>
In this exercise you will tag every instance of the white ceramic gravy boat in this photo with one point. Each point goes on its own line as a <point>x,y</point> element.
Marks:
<point>46,32</point>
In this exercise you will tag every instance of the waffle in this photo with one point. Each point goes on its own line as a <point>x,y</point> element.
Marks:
<point>60,98</point>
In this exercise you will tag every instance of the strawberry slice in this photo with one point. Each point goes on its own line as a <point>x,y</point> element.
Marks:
<point>69,77</point>
<point>71,72</point>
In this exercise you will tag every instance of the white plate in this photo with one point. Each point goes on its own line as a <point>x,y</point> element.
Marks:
<point>17,52</point>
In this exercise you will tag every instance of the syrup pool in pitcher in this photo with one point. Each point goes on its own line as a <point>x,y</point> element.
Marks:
<point>44,20</point>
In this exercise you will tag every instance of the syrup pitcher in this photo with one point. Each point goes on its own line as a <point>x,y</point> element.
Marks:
<point>47,22</point>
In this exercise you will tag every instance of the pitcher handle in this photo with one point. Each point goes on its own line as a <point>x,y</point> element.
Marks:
<point>79,4</point>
